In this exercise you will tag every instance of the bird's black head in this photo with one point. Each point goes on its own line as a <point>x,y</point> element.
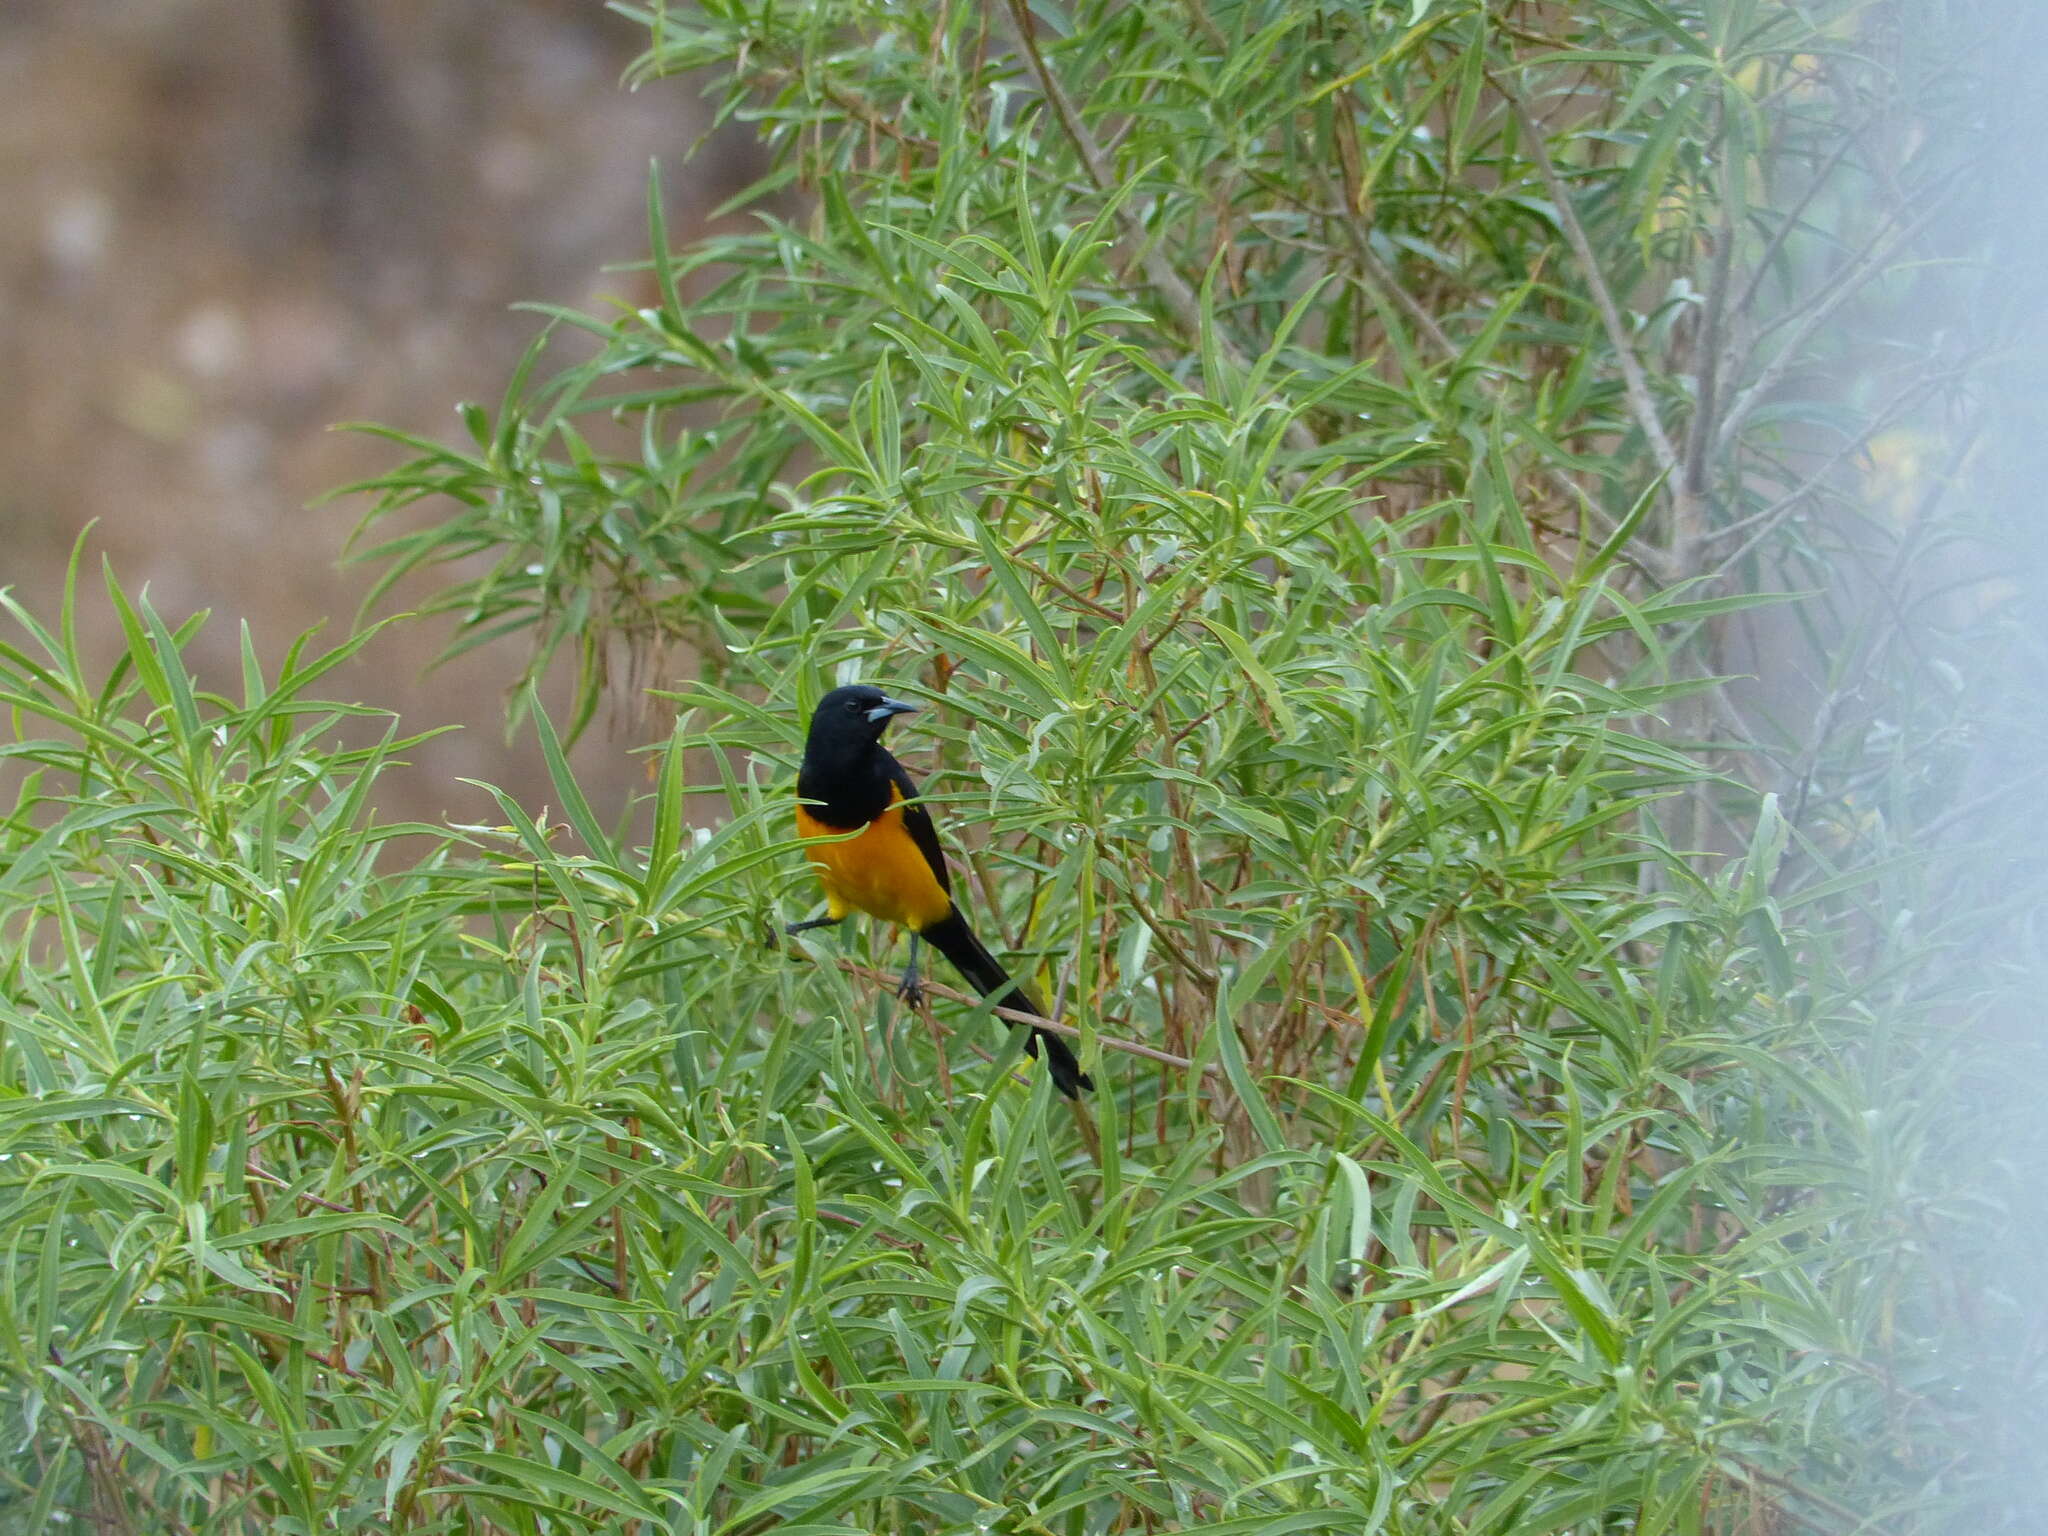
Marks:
<point>850,720</point>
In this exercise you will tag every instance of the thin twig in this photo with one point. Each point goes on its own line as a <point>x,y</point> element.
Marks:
<point>1174,290</point>
<point>1789,502</point>
<point>1380,285</point>
<point>1821,178</point>
<point>1699,434</point>
<point>1019,1016</point>
<point>1641,403</point>
<point>1801,1491</point>
<point>2026,783</point>
<point>1848,282</point>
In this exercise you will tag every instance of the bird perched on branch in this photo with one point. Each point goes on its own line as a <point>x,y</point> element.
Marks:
<point>894,869</point>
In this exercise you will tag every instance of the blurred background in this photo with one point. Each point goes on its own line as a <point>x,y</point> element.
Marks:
<point>230,226</point>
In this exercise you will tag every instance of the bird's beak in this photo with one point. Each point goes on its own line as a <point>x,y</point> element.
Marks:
<point>887,708</point>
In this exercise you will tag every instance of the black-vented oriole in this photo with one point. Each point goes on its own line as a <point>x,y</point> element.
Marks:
<point>895,869</point>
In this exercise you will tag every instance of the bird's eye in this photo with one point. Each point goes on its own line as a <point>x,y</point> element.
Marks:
<point>853,706</point>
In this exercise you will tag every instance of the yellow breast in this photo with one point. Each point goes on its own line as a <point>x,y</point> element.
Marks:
<point>881,872</point>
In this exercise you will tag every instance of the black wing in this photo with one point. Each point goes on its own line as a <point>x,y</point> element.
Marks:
<point>917,821</point>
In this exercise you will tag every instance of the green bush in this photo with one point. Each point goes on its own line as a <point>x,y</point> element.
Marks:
<point>1308,459</point>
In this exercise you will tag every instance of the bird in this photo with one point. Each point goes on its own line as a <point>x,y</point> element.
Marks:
<point>894,868</point>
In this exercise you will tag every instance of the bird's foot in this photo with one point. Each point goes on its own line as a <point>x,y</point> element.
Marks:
<point>793,929</point>
<point>911,987</point>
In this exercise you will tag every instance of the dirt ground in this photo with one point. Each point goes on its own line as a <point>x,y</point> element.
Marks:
<point>228,226</point>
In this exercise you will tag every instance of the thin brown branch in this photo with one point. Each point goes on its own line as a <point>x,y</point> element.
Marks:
<point>1821,178</point>
<point>1849,281</point>
<point>1174,290</point>
<point>1380,285</point>
<point>1800,1491</point>
<point>1019,1016</point>
<point>1769,517</point>
<point>1642,405</point>
<point>1706,351</point>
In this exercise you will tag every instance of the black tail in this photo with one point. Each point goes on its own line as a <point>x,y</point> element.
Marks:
<point>956,941</point>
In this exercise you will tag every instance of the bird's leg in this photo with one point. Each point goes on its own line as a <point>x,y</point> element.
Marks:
<point>793,929</point>
<point>911,987</point>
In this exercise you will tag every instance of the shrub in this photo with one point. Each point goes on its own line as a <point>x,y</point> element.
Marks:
<point>1309,460</point>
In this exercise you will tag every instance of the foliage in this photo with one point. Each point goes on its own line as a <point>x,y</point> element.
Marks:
<point>1312,462</point>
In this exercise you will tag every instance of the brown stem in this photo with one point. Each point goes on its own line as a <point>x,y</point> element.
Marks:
<point>1174,290</point>
<point>1019,1016</point>
<point>1642,405</point>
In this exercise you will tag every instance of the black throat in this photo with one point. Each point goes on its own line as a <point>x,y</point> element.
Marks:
<point>851,782</point>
